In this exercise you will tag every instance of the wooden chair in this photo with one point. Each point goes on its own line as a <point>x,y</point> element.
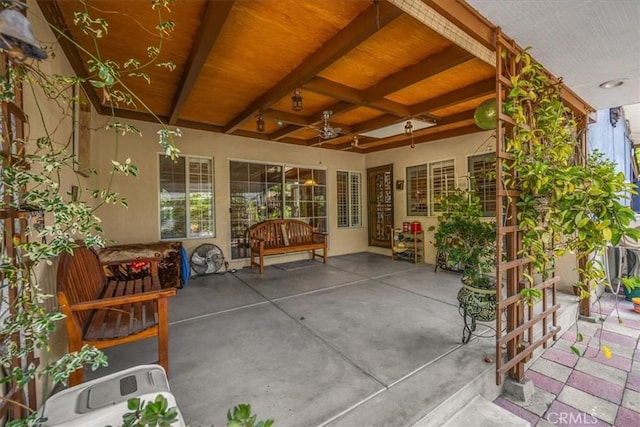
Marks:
<point>104,313</point>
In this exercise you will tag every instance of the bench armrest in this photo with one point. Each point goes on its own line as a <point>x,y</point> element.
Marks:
<point>127,299</point>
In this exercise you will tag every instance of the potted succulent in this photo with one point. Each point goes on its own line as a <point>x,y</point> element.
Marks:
<point>469,243</point>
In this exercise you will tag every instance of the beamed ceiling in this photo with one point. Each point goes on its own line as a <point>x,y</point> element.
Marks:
<point>368,62</point>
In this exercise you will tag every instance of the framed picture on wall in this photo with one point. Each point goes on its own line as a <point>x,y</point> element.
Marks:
<point>81,131</point>
<point>399,184</point>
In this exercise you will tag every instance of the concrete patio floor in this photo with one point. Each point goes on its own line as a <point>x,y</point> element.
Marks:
<point>361,341</point>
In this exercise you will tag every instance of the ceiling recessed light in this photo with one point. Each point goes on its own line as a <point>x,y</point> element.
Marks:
<point>610,84</point>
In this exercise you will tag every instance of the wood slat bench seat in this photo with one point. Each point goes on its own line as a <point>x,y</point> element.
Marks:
<point>104,313</point>
<point>282,236</point>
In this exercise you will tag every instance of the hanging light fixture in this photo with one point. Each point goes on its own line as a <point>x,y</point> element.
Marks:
<point>296,101</point>
<point>408,128</point>
<point>260,124</point>
<point>354,141</point>
<point>16,36</point>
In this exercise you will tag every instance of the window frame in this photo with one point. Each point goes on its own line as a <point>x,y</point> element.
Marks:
<point>298,199</point>
<point>349,197</point>
<point>188,234</point>
<point>483,197</point>
<point>425,179</point>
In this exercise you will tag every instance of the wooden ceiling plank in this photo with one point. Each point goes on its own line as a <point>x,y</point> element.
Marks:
<point>213,19</point>
<point>431,66</point>
<point>476,90</point>
<point>374,18</point>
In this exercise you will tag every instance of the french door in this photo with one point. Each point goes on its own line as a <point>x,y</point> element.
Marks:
<point>380,200</point>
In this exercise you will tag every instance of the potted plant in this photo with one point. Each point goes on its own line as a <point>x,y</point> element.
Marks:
<point>469,244</point>
<point>631,287</point>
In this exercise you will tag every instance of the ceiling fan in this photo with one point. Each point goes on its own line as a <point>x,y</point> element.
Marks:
<point>327,131</point>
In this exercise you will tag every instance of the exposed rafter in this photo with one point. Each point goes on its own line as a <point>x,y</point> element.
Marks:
<point>345,93</point>
<point>364,26</point>
<point>476,90</point>
<point>213,18</point>
<point>431,66</point>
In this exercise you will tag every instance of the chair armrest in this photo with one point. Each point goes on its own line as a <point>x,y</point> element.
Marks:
<point>127,299</point>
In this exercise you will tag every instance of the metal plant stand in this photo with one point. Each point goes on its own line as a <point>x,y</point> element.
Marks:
<point>476,305</point>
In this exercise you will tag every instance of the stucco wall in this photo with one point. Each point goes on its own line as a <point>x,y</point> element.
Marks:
<point>457,148</point>
<point>49,117</point>
<point>140,223</point>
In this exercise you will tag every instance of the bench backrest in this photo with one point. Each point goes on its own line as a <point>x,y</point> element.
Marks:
<point>282,232</point>
<point>80,277</point>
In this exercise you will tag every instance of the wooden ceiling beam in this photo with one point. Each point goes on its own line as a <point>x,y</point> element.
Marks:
<point>450,133</point>
<point>476,90</point>
<point>377,123</point>
<point>251,134</point>
<point>465,17</point>
<point>456,118</point>
<point>213,19</point>
<point>431,66</point>
<point>286,117</point>
<point>374,18</point>
<point>349,94</point>
<point>284,132</point>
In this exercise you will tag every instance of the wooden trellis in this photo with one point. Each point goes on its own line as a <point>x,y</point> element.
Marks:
<point>527,327</point>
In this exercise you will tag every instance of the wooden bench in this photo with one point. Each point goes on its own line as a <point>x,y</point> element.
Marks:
<point>104,313</point>
<point>282,236</point>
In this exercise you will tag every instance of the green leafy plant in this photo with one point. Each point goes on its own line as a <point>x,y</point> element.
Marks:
<point>35,170</point>
<point>631,283</point>
<point>568,202</point>
<point>149,414</point>
<point>241,416</point>
<point>467,241</point>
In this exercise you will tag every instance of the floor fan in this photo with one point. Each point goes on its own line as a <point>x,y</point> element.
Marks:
<point>207,259</point>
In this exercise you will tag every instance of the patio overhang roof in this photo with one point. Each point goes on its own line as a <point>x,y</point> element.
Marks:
<point>371,63</point>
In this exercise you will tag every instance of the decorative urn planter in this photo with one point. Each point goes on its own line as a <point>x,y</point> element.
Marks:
<point>478,300</point>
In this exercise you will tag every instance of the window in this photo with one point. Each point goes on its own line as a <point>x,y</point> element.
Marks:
<point>483,181</point>
<point>349,199</point>
<point>427,185</point>
<point>261,191</point>
<point>186,197</point>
